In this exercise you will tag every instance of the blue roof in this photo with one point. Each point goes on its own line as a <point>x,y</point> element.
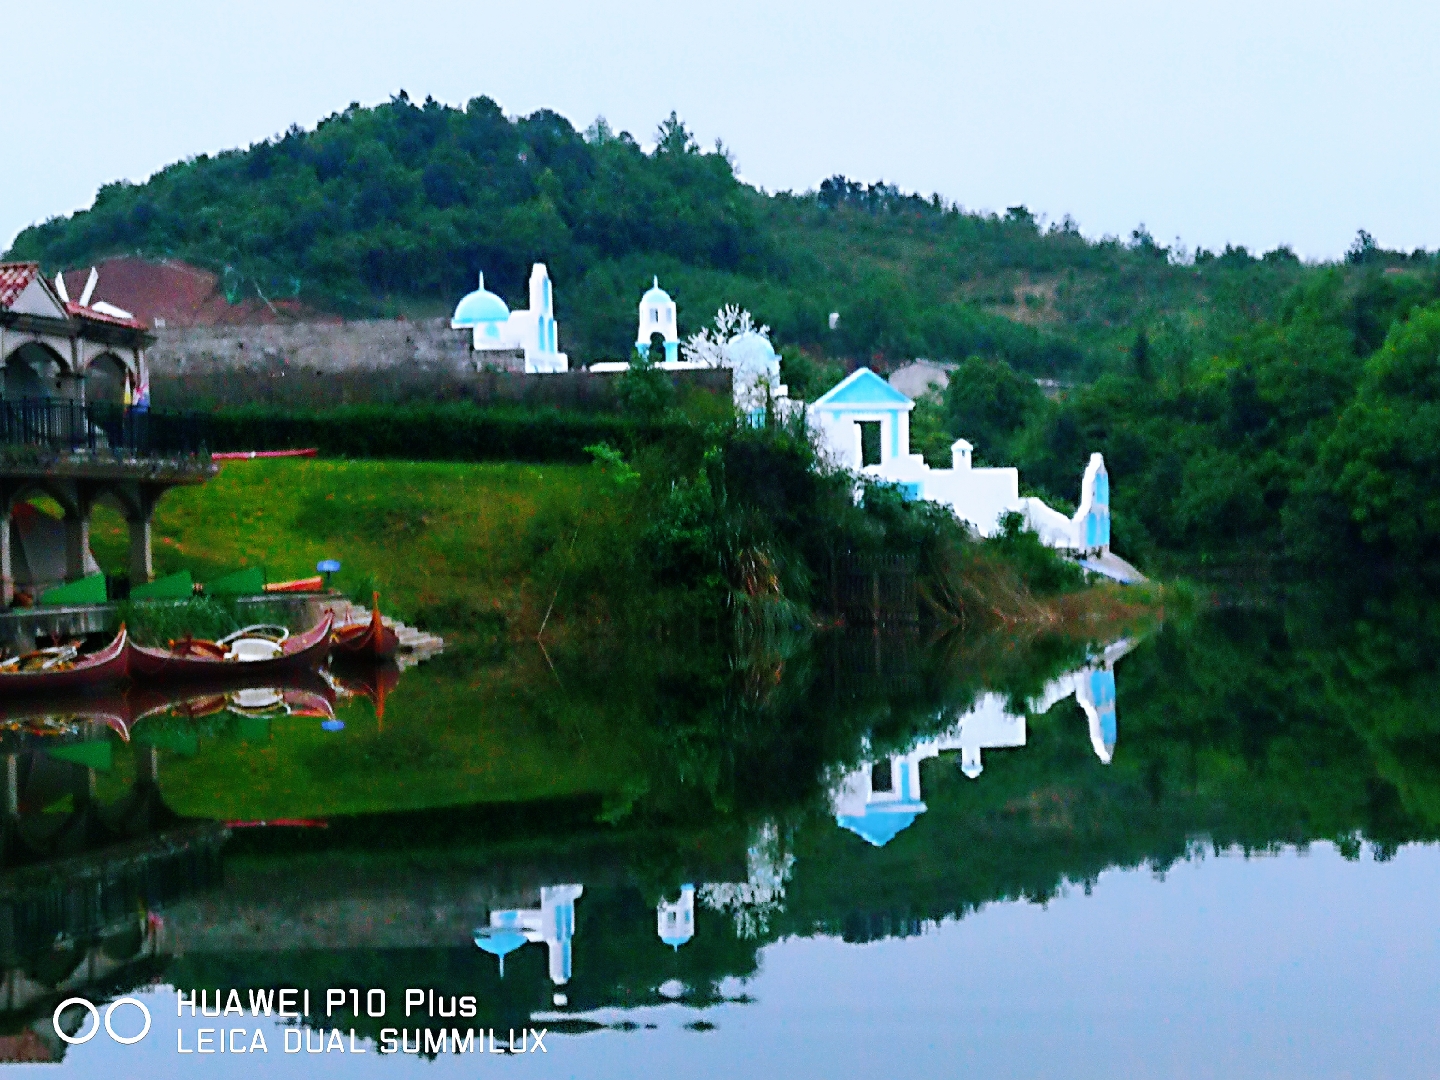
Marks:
<point>675,942</point>
<point>864,389</point>
<point>478,307</point>
<point>882,826</point>
<point>656,295</point>
<point>498,942</point>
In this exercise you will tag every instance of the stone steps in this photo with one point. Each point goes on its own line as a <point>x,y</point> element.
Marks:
<point>415,644</point>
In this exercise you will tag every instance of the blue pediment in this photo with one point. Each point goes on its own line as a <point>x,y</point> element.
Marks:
<point>864,389</point>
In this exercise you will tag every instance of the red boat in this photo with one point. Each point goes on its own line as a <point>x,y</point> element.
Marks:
<point>110,664</point>
<point>207,660</point>
<point>371,640</point>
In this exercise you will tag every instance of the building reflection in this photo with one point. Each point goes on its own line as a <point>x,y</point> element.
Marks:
<point>551,924</point>
<point>881,798</point>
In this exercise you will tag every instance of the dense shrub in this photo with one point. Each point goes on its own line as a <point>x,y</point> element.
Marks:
<point>436,432</point>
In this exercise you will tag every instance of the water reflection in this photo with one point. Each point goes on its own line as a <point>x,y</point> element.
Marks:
<point>882,797</point>
<point>656,823</point>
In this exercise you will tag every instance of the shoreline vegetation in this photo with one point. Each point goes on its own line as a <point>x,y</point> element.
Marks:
<point>732,527</point>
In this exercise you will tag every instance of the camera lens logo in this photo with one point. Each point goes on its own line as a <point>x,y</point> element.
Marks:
<point>76,1040</point>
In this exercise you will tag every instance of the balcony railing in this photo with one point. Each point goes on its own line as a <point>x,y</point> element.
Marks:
<point>101,430</point>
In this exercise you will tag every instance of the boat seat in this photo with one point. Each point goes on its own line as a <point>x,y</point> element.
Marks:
<point>246,650</point>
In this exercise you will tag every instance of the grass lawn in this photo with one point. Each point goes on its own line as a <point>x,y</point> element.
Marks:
<point>432,537</point>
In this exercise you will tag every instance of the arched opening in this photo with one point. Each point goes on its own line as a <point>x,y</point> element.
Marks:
<point>657,348</point>
<point>42,532</point>
<point>110,535</point>
<point>105,381</point>
<point>32,372</point>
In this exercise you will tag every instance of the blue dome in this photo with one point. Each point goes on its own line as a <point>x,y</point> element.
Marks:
<point>656,295</point>
<point>479,307</point>
<point>675,942</point>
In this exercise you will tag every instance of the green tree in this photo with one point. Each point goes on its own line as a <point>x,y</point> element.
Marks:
<point>987,402</point>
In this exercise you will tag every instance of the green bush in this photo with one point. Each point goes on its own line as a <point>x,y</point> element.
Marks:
<point>448,431</point>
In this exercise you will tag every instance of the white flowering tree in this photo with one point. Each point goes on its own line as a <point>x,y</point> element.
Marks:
<point>707,346</point>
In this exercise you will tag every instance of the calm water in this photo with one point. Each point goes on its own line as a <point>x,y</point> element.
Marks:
<point>1205,853</point>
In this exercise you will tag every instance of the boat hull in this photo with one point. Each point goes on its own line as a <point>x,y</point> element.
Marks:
<point>303,652</point>
<point>371,641</point>
<point>111,664</point>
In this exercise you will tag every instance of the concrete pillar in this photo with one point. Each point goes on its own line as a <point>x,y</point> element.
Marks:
<point>139,513</point>
<point>7,569</point>
<point>142,567</point>
<point>12,785</point>
<point>77,538</point>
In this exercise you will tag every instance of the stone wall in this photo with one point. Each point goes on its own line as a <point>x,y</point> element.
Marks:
<point>319,365</point>
<point>371,344</point>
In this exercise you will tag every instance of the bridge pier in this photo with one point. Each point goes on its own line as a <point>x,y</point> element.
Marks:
<point>77,530</point>
<point>7,569</point>
<point>139,513</point>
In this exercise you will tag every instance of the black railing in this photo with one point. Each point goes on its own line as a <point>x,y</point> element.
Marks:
<point>100,429</point>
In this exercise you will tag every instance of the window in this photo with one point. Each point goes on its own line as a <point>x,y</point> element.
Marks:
<point>869,442</point>
<point>882,776</point>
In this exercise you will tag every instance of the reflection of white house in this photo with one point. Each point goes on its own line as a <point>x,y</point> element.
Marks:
<point>675,920</point>
<point>881,798</point>
<point>553,923</point>
<point>534,331</point>
<point>979,496</point>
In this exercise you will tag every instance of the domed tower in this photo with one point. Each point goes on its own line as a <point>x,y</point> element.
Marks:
<point>486,314</point>
<point>657,316</point>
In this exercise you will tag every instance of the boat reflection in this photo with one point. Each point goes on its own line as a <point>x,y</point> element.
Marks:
<point>86,717</point>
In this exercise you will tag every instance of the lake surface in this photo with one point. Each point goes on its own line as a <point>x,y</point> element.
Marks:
<point>1209,852</point>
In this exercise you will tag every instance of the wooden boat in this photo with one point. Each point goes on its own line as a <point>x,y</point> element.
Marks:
<point>371,640</point>
<point>207,660</point>
<point>367,680</point>
<point>110,664</point>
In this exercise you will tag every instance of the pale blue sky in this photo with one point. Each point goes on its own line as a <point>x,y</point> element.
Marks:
<point>1248,122</point>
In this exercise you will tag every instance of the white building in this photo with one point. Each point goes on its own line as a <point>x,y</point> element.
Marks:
<point>533,331</point>
<point>552,923</point>
<point>675,920</point>
<point>881,798</point>
<point>979,496</point>
<point>658,316</point>
<point>735,343</point>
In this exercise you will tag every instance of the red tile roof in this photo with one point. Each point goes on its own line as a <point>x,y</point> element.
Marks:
<point>13,279</point>
<point>177,293</point>
<point>100,316</point>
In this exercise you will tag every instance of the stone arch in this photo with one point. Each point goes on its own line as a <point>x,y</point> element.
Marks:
<point>32,370</point>
<point>107,376</point>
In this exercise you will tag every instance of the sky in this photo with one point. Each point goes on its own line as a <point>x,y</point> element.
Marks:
<point>1253,122</point>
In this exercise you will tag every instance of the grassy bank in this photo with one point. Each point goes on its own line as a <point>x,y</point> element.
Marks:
<point>487,551</point>
<point>453,544</point>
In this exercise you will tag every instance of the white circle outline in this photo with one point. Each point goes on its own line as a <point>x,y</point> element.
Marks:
<point>111,1012</point>
<point>71,1039</point>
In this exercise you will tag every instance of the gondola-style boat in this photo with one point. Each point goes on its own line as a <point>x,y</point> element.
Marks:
<point>371,640</point>
<point>51,670</point>
<point>246,658</point>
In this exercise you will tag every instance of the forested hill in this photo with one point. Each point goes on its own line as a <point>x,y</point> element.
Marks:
<point>394,209</point>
